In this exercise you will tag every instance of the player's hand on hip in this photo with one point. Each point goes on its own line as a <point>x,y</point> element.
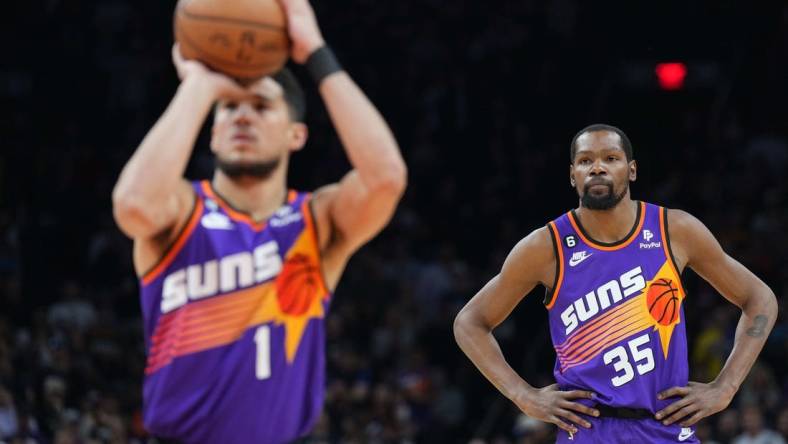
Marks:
<point>698,400</point>
<point>549,404</point>
<point>303,29</point>
<point>220,85</point>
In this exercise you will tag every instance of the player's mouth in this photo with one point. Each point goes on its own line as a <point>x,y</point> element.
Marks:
<point>243,137</point>
<point>599,186</point>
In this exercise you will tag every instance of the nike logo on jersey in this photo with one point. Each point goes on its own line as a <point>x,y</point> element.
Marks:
<point>578,257</point>
<point>216,221</point>
<point>686,432</point>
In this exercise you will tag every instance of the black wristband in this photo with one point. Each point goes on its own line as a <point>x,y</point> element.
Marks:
<point>322,63</point>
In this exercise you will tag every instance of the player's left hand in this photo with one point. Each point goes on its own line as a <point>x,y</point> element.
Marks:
<point>698,401</point>
<point>303,29</point>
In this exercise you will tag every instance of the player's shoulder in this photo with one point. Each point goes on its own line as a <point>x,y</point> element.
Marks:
<point>681,222</point>
<point>538,244</point>
<point>532,258</point>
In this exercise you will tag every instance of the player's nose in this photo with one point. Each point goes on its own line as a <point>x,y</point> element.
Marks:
<point>242,114</point>
<point>597,168</point>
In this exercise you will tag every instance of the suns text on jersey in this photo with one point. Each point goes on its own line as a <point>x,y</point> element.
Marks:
<point>601,298</point>
<point>229,273</point>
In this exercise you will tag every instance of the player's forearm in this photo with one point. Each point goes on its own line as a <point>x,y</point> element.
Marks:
<point>481,347</point>
<point>158,164</point>
<point>368,141</point>
<point>757,319</point>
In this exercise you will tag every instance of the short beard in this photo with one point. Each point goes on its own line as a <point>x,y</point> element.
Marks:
<point>248,170</point>
<point>605,202</point>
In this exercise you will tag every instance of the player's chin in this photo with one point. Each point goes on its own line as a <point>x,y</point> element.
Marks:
<point>242,147</point>
<point>599,194</point>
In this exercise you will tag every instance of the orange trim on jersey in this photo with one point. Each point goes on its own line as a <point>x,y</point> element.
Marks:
<point>176,247</point>
<point>233,213</point>
<point>309,225</point>
<point>623,244</point>
<point>292,195</point>
<point>624,309</point>
<point>666,248</point>
<point>559,248</point>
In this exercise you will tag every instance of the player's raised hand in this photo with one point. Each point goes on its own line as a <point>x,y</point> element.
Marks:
<point>698,400</point>
<point>221,85</point>
<point>549,404</point>
<point>303,29</point>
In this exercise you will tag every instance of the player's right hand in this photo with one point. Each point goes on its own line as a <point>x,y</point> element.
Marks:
<point>221,85</point>
<point>549,404</point>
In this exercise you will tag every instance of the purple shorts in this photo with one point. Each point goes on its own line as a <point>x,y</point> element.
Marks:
<point>616,430</point>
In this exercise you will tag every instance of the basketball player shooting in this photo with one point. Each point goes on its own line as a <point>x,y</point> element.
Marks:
<point>236,273</point>
<point>611,269</point>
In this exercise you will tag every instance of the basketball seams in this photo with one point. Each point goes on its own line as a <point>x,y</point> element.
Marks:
<point>296,290</point>
<point>671,304</point>
<point>242,39</point>
<point>191,15</point>
<point>659,296</point>
<point>204,55</point>
<point>665,310</point>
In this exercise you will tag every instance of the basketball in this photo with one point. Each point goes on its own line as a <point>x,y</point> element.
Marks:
<point>663,301</point>
<point>245,39</point>
<point>297,285</point>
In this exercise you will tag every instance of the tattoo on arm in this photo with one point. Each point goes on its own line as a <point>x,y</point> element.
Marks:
<point>758,327</point>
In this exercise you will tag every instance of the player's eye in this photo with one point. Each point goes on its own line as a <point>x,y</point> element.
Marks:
<point>612,158</point>
<point>585,161</point>
<point>230,105</point>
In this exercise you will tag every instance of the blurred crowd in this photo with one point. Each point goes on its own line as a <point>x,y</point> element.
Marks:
<point>484,100</point>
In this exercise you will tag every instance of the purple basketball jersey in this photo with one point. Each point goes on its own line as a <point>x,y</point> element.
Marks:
<point>616,317</point>
<point>234,326</point>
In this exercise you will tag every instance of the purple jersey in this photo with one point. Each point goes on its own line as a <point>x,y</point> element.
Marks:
<point>616,317</point>
<point>234,326</point>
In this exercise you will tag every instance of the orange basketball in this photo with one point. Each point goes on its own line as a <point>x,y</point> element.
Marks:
<point>245,39</point>
<point>297,285</point>
<point>663,301</point>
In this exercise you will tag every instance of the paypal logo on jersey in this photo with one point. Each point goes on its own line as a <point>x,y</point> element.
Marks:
<point>648,245</point>
<point>285,216</point>
<point>229,273</point>
<point>601,298</point>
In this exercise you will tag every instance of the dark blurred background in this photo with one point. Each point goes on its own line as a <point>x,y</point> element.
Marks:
<point>484,98</point>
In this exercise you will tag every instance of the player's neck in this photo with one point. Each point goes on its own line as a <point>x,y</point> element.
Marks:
<point>610,225</point>
<point>258,198</point>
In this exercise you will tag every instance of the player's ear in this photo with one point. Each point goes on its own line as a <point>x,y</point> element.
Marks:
<point>298,135</point>
<point>633,170</point>
<point>213,137</point>
<point>572,175</point>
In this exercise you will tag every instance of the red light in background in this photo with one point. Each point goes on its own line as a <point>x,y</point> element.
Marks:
<point>671,75</point>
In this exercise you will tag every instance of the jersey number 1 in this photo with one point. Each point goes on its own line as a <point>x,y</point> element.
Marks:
<point>620,360</point>
<point>262,337</point>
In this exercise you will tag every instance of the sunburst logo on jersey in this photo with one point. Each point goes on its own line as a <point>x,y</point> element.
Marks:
<point>295,297</point>
<point>663,302</point>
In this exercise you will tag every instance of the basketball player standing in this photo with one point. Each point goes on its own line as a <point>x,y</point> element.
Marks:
<point>612,272</point>
<point>236,273</point>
